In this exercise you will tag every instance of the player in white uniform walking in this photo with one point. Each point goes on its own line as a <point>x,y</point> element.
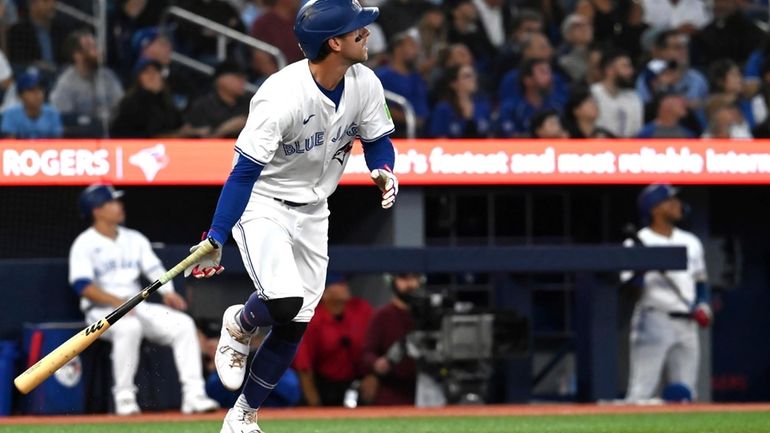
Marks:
<point>289,158</point>
<point>664,327</point>
<point>105,264</point>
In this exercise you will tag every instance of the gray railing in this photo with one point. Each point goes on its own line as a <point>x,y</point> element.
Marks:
<point>224,33</point>
<point>410,118</point>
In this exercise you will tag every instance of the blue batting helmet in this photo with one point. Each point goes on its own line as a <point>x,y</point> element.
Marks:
<point>95,196</point>
<point>319,20</point>
<point>652,196</point>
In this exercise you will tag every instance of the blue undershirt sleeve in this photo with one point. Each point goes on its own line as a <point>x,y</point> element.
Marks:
<point>702,292</point>
<point>379,153</point>
<point>234,198</point>
<point>80,284</point>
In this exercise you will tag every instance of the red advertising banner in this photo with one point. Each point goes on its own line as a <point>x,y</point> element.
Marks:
<point>418,162</point>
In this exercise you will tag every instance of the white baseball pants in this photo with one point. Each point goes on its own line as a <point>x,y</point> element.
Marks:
<point>659,341</point>
<point>285,250</point>
<point>158,324</point>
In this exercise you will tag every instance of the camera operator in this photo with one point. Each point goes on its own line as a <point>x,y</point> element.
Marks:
<point>392,374</point>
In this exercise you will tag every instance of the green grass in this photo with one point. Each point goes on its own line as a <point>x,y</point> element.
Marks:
<point>716,422</point>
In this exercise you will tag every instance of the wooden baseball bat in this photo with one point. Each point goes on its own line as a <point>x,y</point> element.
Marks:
<point>43,369</point>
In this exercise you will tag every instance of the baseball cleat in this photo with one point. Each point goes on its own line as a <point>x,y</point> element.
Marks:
<point>200,403</point>
<point>125,404</point>
<point>232,350</point>
<point>240,420</point>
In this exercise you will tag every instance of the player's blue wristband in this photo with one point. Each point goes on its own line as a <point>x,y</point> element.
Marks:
<point>702,292</point>
<point>234,197</point>
<point>379,153</point>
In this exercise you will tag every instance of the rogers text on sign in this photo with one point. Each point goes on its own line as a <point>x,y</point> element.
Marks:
<point>55,162</point>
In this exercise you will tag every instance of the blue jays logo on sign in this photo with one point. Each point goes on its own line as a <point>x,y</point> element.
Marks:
<point>315,140</point>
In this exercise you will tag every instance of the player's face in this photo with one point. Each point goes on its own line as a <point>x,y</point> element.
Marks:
<point>353,46</point>
<point>671,210</point>
<point>110,212</point>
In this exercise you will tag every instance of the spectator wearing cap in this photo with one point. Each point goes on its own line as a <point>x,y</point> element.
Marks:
<point>672,47</point>
<point>32,118</point>
<point>670,109</point>
<point>329,358</point>
<point>86,94</point>
<point>37,39</point>
<point>147,110</point>
<point>462,112</point>
<point>152,43</point>
<point>581,113</point>
<point>224,109</point>
<point>124,20</point>
<point>536,87</point>
<point>400,76</point>
<point>621,111</point>
<point>276,27</point>
<point>577,35</point>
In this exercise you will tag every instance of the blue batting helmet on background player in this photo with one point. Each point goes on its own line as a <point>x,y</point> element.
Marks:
<point>651,196</point>
<point>320,20</point>
<point>95,196</point>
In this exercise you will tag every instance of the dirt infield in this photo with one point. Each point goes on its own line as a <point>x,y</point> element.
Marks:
<point>397,412</point>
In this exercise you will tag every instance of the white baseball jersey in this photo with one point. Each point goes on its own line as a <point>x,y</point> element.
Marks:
<point>658,293</point>
<point>294,130</point>
<point>114,265</point>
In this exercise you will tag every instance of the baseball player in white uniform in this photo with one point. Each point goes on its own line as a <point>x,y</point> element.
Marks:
<point>289,158</point>
<point>105,264</point>
<point>664,327</point>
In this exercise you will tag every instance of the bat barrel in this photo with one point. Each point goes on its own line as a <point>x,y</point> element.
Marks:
<point>43,369</point>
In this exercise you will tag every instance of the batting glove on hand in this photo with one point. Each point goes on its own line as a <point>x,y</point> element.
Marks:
<point>207,266</point>
<point>388,184</point>
<point>702,314</point>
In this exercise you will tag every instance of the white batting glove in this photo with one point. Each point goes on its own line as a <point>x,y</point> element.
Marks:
<point>207,266</point>
<point>388,184</point>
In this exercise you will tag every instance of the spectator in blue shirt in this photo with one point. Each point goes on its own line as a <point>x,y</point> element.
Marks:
<point>672,47</point>
<point>400,76</point>
<point>671,109</point>
<point>537,93</point>
<point>534,46</point>
<point>461,113</point>
<point>32,118</point>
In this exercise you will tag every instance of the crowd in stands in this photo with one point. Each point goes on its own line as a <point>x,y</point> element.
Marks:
<point>468,68</point>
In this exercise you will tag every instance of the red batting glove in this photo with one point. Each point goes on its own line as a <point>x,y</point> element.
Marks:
<point>209,265</point>
<point>703,315</point>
